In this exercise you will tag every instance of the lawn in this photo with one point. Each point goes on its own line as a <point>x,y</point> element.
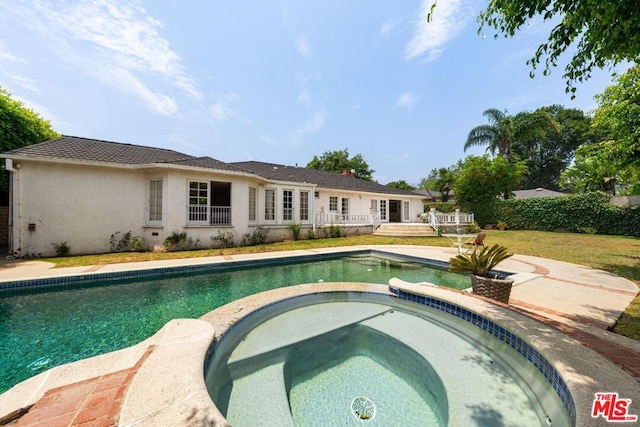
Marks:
<point>616,254</point>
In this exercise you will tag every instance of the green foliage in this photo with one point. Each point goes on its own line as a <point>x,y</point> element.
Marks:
<point>483,179</point>
<point>580,213</point>
<point>479,262</point>
<point>61,248</point>
<point>440,180</point>
<point>504,130</point>
<point>339,161</point>
<point>603,33</point>
<point>402,185</point>
<point>311,234</point>
<point>441,206</point>
<point>119,242</point>
<point>225,238</point>
<point>19,127</point>
<point>295,230</point>
<point>332,231</point>
<point>502,225</point>
<point>257,236</point>
<point>549,153</point>
<point>179,242</point>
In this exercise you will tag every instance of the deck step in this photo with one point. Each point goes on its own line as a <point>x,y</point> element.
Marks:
<point>405,230</point>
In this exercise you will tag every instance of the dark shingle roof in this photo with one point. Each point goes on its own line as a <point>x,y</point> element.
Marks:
<point>208,163</point>
<point>75,148</point>
<point>322,179</point>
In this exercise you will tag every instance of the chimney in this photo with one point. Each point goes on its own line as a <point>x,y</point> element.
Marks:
<point>347,172</point>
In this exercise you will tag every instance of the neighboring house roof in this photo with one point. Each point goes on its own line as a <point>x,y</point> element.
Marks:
<point>320,178</point>
<point>93,150</point>
<point>536,192</point>
<point>434,195</point>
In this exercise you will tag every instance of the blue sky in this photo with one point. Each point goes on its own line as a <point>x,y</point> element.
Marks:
<point>276,81</point>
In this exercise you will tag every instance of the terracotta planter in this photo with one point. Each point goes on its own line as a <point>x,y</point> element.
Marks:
<point>497,289</point>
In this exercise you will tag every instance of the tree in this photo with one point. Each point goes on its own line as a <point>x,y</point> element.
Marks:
<point>547,155</point>
<point>604,33</point>
<point>440,180</point>
<point>401,184</point>
<point>338,161</point>
<point>618,119</point>
<point>483,179</point>
<point>19,127</point>
<point>613,163</point>
<point>504,130</point>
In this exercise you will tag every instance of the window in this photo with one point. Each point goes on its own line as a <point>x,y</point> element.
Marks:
<point>252,203</point>
<point>209,203</point>
<point>345,208</point>
<point>405,211</point>
<point>316,194</point>
<point>304,206</point>
<point>155,200</point>
<point>374,206</point>
<point>333,203</point>
<point>269,204</point>
<point>287,205</point>
<point>383,210</point>
<point>198,201</point>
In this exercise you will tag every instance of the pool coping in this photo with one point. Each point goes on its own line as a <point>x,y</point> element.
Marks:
<point>525,276</point>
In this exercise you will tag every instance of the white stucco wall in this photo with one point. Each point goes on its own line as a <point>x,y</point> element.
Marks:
<point>82,206</point>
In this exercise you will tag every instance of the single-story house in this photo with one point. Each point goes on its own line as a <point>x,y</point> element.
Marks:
<point>82,191</point>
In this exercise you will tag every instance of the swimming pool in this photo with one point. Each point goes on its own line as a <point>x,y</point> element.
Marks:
<point>48,326</point>
<point>368,359</point>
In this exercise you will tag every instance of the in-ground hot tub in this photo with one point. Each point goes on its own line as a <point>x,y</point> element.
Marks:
<point>362,358</point>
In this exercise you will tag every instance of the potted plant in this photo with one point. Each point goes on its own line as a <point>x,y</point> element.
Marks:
<point>484,281</point>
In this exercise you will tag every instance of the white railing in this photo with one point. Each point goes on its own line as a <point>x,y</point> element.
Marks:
<point>324,218</point>
<point>209,215</point>
<point>438,220</point>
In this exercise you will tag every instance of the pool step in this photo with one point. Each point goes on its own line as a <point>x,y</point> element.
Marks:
<point>260,399</point>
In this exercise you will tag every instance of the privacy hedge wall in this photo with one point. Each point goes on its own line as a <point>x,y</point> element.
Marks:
<point>580,213</point>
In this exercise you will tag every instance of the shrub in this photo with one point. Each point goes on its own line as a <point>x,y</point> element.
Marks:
<point>178,242</point>
<point>501,225</point>
<point>119,243</point>
<point>311,234</point>
<point>257,236</point>
<point>62,249</point>
<point>295,230</point>
<point>225,238</point>
<point>138,244</point>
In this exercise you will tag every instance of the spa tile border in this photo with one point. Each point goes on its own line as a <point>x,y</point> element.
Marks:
<point>529,353</point>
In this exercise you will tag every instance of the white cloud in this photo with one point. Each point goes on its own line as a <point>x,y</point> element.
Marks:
<point>303,46</point>
<point>222,110</point>
<point>407,100</point>
<point>25,83</point>
<point>313,125</point>
<point>116,41</point>
<point>304,96</point>
<point>386,29</point>
<point>448,20</point>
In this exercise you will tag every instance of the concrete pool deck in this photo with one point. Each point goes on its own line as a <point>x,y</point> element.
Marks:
<point>580,302</point>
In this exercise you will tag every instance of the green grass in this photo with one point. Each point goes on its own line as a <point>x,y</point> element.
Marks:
<point>618,255</point>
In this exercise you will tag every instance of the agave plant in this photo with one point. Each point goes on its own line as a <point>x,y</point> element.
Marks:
<point>479,262</point>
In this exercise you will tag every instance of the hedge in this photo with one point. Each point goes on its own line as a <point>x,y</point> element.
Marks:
<point>580,213</point>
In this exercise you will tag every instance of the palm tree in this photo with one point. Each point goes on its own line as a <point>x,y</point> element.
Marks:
<point>503,130</point>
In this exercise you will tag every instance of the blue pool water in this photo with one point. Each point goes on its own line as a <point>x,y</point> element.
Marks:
<point>43,328</point>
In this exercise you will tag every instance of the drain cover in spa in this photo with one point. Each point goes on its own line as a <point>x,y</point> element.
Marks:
<point>363,408</point>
